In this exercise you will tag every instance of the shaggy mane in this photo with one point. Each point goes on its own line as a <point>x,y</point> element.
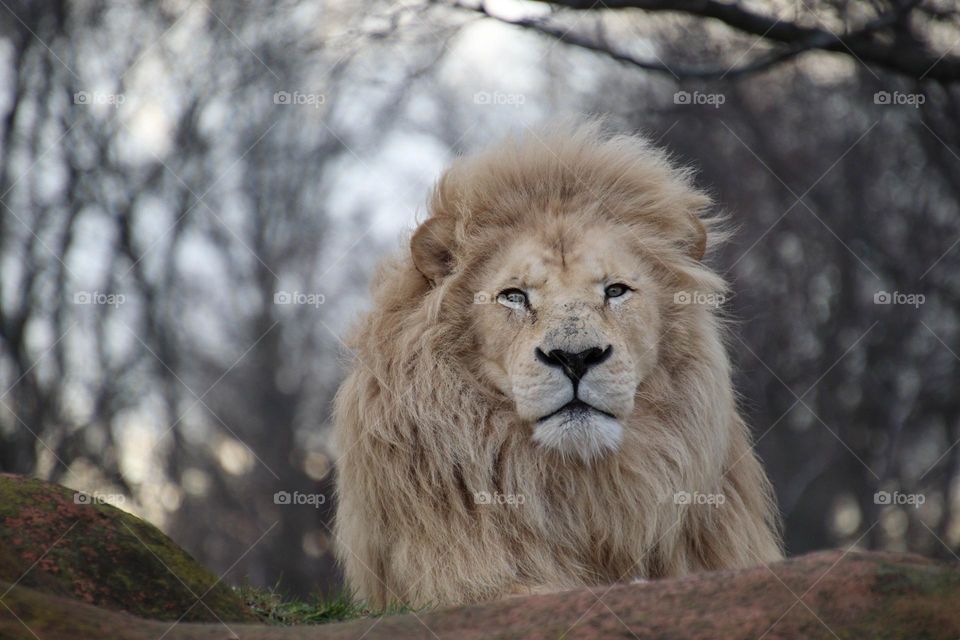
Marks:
<point>420,434</point>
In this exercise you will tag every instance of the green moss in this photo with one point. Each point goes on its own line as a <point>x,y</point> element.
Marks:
<point>104,556</point>
<point>921,579</point>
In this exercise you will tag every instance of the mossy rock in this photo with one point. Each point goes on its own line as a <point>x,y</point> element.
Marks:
<point>54,543</point>
<point>822,596</point>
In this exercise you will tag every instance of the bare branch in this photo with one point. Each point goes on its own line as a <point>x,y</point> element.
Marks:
<point>908,56</point>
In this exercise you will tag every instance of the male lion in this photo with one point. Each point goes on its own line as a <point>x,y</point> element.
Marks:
<point>540,398</point>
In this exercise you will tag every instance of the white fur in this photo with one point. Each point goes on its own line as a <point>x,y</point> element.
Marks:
<point>584,435</point>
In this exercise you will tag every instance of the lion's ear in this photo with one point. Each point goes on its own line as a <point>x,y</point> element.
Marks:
<point>432,248</point>
<point>698,243</point>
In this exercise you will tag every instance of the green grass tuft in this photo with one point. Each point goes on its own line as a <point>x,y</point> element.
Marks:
<point>272,608</point>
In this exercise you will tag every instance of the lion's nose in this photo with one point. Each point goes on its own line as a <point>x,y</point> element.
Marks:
<point>574,365</point>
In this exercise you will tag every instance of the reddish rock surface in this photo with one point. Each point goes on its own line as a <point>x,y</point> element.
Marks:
<point>823,595</point>
<point>74,570</point>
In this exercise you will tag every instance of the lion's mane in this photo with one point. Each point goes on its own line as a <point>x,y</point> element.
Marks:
<point>419,435</point>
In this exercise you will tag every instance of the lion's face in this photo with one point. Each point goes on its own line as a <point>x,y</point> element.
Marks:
<point>568,331</point>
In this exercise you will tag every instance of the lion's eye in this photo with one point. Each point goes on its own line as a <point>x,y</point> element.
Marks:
<point>513,298</point>
<point>616,290</point>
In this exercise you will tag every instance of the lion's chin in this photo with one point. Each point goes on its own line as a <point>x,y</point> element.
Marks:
<point>579,434</point>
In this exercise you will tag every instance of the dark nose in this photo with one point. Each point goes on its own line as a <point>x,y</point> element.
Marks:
<point>574,365</point>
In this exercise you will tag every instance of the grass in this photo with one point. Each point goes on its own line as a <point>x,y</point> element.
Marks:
<point>272,608</point>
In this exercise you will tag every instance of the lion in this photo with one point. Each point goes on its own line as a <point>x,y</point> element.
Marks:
<point>540,398</point>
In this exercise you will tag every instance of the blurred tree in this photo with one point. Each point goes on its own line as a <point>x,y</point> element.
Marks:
<point>892,34</point>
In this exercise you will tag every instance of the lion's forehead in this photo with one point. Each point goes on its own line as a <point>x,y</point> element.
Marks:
<point>555,267</point>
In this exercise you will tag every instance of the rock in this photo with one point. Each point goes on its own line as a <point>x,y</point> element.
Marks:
<point>55,544</point>
<point>827,595</point>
